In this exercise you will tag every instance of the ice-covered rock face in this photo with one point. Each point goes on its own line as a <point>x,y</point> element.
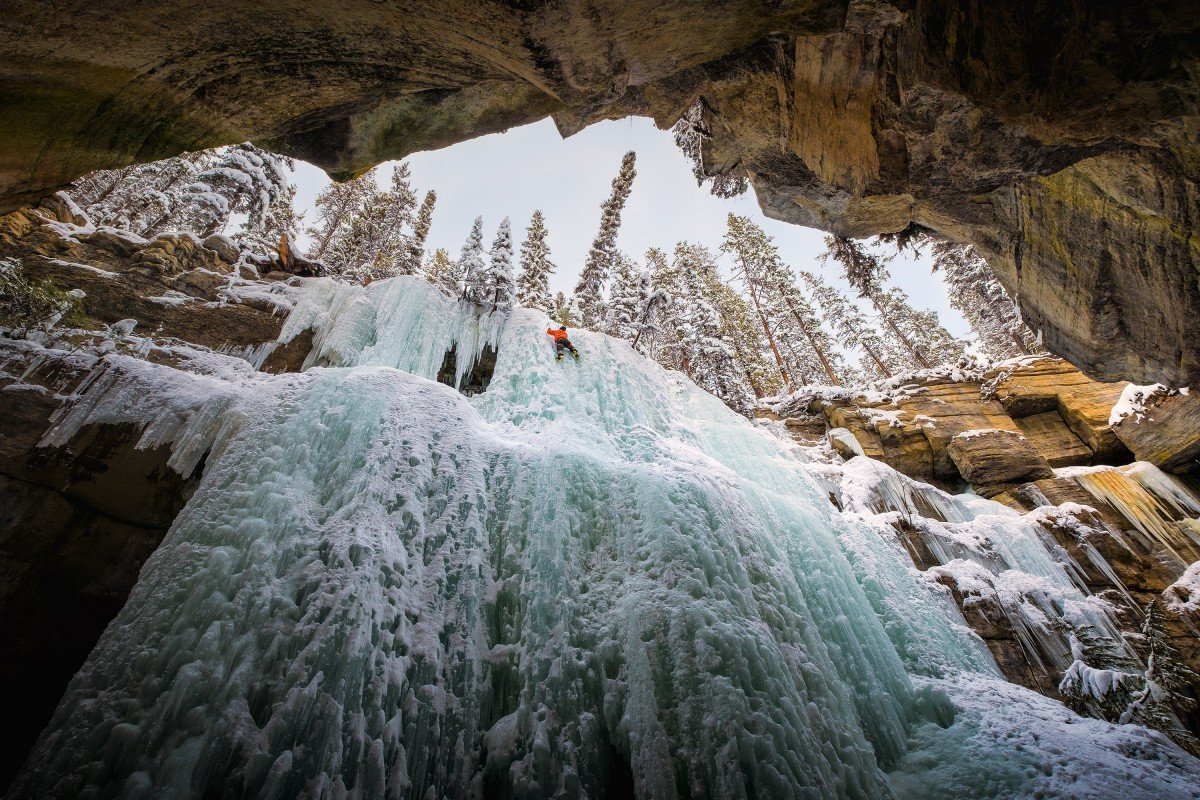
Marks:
<point>591,577</point>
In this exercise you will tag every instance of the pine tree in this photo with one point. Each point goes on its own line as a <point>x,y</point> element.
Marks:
<point>97,187</point>
<point>742,333</point>
<point>197,193</point>
<point>439,270</point>
<point>140,198</point>
<point>414,245</point>
<point>811,351</point>
<point>656,335</point>
<point>601,259</point>
<point>336,207</point>
<point>801,348</point>
<point>697,347</point>
<point>919,334</point>
<point>852,327</point>
<point>243,179</point>
<point>470,272</point>
<point>975,293</point>
<point>371,246</point>
<point>651,302</point>
<point>754,256</point>
<point>562,310</point>
<point>861,268</point>
<point>918,330</point>
<point>533,286</point>
<point>1167,684</point>
<point>500,284</point>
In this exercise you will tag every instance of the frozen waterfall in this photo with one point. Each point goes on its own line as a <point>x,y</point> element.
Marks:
<point>591,580</point>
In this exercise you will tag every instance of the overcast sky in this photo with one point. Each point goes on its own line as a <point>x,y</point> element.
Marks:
<point>532,167</point>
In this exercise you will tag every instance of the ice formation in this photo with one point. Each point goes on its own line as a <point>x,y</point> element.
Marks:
<point>1161,508</point>
<point>591,579</point>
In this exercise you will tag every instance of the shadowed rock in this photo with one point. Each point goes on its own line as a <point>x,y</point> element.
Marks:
<point>1060,140</point>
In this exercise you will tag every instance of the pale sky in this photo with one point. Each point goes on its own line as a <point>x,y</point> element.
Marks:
<point>512,174</point>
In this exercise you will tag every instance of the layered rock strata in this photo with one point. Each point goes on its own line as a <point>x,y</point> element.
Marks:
<point>1061,142</point>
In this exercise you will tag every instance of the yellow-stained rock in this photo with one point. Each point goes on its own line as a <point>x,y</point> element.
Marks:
<point>992,460</point>
<point>1168,436</point>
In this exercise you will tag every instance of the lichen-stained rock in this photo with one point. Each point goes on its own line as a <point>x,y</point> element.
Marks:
<point>1168,435</point>
<point>992,460</point>
<point>1063,145</point>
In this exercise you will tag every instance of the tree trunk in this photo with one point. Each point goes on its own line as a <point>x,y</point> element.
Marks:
<point>812,342</point>
<point>924,362</point>
<point>887,373</point>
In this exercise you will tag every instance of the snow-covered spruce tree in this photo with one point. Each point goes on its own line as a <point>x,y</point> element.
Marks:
<point>861,268</point>
<point>141,198</point>
<point>754,255</point>
<point>336,207</point>
<point>245,179</point>
<point>697,347</point>
<point>95,188</point>
<point>372,245</point>
<point>500,285</point>
<point>562,310</point>
<point>801,348</point>
<point>975,293</point>
<point>690,133</point>
<point>1168,684</point>
<point>740,330</point>
<point>919,330</point>
<point>439,270</point>
<point>656,335</point>
<point>197,193</point>
<point>602,257</point>
<point>414,243</point>
<point>810,351</point>
<point>647,323</point>
<point>533,285</point>
<point>621,319</point>
<point>30,305</point>
<point>852,327</point>
<point>470,271</point>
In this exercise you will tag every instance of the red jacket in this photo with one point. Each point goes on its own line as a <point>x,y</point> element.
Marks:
<point>559,335</point>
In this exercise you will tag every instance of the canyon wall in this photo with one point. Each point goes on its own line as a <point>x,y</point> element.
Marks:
<point>1058,138</point>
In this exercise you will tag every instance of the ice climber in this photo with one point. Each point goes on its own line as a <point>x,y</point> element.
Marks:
<point>561,342</point>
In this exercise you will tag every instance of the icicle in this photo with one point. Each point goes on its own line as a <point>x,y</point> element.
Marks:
<point>383,588</point>
<point>1151,500</point>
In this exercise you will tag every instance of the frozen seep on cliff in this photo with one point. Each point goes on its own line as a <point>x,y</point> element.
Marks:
<point>591,578</point>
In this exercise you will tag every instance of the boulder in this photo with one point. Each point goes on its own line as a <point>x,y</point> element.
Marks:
<point>1050,384</point>
<point>992,460</point>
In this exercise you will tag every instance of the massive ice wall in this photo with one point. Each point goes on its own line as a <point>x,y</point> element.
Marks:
<point>591,579</point>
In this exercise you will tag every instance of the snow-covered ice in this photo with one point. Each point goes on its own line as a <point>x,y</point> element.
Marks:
<point>381,588</point>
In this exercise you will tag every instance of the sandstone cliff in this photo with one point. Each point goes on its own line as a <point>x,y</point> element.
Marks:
<point>1059,139</point>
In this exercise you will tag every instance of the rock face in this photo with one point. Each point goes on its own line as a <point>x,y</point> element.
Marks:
<point>1130,530</point>
<point>1005,426</point>
<point>78,521</point>
<point>76,525</point>
<point>174,287</point>
<point>1061,141</point>
<point>993,460</point>
<point>1168,435</point>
